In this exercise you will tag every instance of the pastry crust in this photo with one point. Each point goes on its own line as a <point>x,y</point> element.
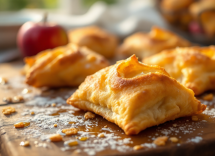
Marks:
<point>201,6</point>
<point>194,67</point>
<point>204,12</point>
<point>135,96</point>
<point>96,39</point>
<point>63,66</point>
<point>175,5</point>
<point>144,45</point>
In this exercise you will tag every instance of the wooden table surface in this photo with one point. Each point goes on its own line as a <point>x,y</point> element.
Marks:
<point>188,130</point>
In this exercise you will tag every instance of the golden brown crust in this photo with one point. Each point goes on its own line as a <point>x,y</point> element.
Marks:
<point>172,6</point>
<point>8,110</point>
<point>63,66</point>
<point>204,12</point>
<point>194,67</point>
<point>144,45</point>
<point>200,6</point>
<point>96,39</point>
<point>135,96</point>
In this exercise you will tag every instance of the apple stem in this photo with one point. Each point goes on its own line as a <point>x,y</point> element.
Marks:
<point>45,17</point>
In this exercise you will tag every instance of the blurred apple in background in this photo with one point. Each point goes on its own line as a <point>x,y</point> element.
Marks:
<point>34,37</point>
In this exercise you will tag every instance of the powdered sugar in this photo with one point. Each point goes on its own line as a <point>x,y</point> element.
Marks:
<point>45,101</point>
<point>185,128</point>
<point>66,116</point>
<point>208,103</point>
<point>149,145</point>
<point>197,139</point>
<point>210,112</point>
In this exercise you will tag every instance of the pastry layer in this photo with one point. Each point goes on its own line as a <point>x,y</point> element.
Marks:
<point>63,66</point>
<point>194,67</point>
<point>96,39</point>
<point>135,96</point>
<point>144,45</point>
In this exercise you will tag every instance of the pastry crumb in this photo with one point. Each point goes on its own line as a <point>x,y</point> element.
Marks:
<point>101,135</point>
<point>71,143</point>
<point>8,110</point>
<point>70,131</point>
<point>25,143</point>
<point>53,104</point>
<point>32,113</point>
<point>138,147</point>
<point>55,125</point>
<point>26,124</point>
<point>174,125</point>
<point>18,99</point>
<point>195,118</point>
<point>89,115</point>
<point>7,99</point>
<point>173,139</point>
<point>19,125</point>
<point>160,141</point>
<point>208,97</point>
<point>56,138</point>
<point>83,138</point>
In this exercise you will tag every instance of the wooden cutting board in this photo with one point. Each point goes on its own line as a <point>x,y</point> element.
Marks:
<point>195,137</point>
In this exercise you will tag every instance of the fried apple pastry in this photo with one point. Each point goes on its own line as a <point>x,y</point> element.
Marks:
<point>63,66</point>
<point>176,12</point>
<point>194,67</point>
<point>135,96</point>
<point>204,12</point>
<point>96,39</point>
<point>175,5</point>
<point>143,45</point>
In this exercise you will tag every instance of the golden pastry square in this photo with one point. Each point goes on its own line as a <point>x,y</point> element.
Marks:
<point>194,67</point>
<point>147,44</point>
<point>135,96</point>
<point>63,66</point>
<point>96,39</point>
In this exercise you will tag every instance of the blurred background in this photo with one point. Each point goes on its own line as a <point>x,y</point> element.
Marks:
<point>192,19</point>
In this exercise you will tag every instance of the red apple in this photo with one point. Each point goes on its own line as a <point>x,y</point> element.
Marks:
<point>195,28</point>
<point>35,37</point>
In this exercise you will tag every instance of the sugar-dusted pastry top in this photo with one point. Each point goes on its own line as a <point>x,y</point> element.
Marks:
<point>135,96</point>
<point>147,44</point>
<point>63,66</point>
<point>96,39</point>
<point>194,67</point>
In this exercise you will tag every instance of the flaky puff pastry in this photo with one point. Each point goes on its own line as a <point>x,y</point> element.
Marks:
<point>96,39</point>
<point>194,67</point>
<point>143,45</point>
<point>135,96</point>
<point>63,66</point>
